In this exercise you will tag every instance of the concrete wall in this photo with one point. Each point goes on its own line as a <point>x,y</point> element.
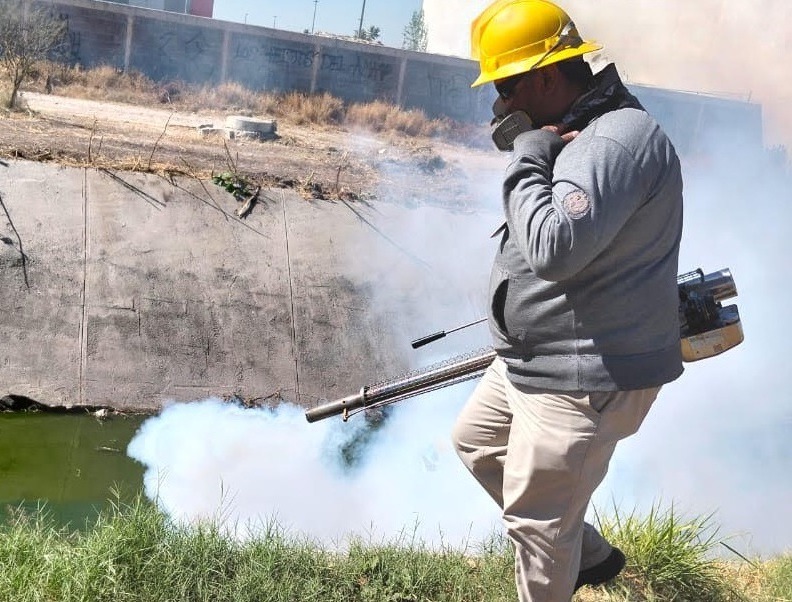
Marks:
<point>168,46</point>
<point>131,299</point>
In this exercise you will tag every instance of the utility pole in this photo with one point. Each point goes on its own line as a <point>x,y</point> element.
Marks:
<point>274,21</point>
<point>360,27</point>
<point>314,17</point>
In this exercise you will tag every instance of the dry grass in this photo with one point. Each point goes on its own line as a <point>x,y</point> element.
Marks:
<point>111,84</point>
<point>5,95</point>
<point>380,116</point>
<point>229,96</point>
<point>322,109</point>
<point>100,83</point>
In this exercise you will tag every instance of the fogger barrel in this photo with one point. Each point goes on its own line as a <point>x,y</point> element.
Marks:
<point>706,329</point>
<point>455,370</point>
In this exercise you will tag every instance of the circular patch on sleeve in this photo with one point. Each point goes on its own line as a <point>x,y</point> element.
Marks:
<point>576,204</point>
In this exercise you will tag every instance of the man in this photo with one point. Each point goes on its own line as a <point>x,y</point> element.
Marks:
<point>583,292</point>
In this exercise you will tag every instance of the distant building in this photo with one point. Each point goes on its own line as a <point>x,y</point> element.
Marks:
<point>198,8</point>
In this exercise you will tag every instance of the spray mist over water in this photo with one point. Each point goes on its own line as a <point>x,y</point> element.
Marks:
<point>245,468</point>
<point>210,460</point>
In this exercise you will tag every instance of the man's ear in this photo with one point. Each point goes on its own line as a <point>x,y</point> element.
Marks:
<point>549,77</point>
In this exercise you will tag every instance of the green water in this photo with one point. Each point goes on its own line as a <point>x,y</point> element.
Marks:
<point>71,462</point>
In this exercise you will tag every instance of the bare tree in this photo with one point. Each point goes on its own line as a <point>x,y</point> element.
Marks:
<point>415,36</point>
<point>28,34</point>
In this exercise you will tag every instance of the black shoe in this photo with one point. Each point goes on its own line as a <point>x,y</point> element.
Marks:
<point>602,572</point>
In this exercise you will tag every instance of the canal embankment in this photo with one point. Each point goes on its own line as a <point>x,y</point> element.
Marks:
<point>129,291</point>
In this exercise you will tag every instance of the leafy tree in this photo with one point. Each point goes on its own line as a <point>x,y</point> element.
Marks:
<point>415,35</point>
<point>369,35</point>
<point>28,34</point>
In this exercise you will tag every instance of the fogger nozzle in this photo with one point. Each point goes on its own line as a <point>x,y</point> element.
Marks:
<point>339,406</point>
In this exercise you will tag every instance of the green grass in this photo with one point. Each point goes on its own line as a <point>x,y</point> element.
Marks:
<point>132,552</point>
<point>669,556</point>
<point>778,578</point>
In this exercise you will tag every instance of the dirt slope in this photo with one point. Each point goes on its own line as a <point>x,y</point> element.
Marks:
<point>319,160</point>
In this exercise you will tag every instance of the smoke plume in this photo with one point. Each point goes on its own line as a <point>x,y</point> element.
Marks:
<point>331,480</point>
<point>718,439</point>
<point>243,468</point>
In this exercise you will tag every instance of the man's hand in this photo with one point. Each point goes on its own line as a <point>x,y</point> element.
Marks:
<point>566,136</point>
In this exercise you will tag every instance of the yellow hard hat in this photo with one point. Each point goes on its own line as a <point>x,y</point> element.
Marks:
<point>515,36</point>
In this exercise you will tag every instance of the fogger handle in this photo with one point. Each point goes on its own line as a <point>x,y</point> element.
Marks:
<point>339,406</point>
<point>430,338</point>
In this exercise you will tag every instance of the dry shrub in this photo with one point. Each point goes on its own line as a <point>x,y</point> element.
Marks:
<point>57,73</point>
<point>410,122</point>
<point>384,117</point>
<point>319,108</point>
<point>109,77</point>
<point>105,82</point>
<point>269,104</point>
<point>229,96</point>
<point>5,94</point>
<point>378,116</point>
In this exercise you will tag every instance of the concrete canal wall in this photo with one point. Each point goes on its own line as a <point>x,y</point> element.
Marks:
<point>130,291</point>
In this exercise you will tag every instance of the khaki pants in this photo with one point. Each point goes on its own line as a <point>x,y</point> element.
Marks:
<point>540,455</point>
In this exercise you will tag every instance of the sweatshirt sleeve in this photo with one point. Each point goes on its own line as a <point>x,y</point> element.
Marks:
<point>565,204</point>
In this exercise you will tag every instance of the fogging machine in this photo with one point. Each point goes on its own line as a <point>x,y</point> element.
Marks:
<point>706,329</point>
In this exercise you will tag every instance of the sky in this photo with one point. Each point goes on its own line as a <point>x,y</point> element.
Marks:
<point>332,16</point>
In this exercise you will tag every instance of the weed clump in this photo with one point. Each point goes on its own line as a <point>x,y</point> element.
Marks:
<point>668,556</point>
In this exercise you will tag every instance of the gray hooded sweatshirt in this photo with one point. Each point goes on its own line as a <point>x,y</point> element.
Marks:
<point>583,289</point>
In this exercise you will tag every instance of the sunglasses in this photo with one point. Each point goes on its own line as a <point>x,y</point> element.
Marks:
<point>506,87</point>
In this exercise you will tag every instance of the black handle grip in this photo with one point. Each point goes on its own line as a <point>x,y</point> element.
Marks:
<point>427,339</point>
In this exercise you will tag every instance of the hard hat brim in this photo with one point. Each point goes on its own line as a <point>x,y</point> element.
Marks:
<point>510,69</point>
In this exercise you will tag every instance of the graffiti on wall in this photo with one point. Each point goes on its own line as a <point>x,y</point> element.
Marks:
<point>361,68</point>
<point>193,47</point>
<point>356,67</point>
<point>451,93</point>
<point>164,51</point>
<point>271,54</point>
